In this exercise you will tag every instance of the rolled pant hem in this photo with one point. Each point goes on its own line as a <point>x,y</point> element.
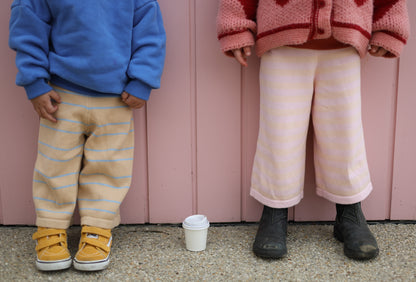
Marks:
<point>277,204</point>
<point>345,200</point>
<point>53,223</point>
<point>99,222</point>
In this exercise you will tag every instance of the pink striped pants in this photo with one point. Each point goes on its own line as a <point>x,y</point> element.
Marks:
<point>296,84</point>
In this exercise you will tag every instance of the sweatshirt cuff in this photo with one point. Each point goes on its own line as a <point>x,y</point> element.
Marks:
<point>138,89</point>
<point>37,88</point>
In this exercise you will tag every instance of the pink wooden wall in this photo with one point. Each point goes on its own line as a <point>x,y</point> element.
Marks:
<point>196,138</point>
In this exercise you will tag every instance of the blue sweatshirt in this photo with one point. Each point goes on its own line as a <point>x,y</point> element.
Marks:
<point>94,47</point>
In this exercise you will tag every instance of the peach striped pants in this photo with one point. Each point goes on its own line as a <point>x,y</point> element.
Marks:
<point>85,158</point>
<point>296,84</point>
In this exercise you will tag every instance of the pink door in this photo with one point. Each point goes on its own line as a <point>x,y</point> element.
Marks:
<point>196,138</point>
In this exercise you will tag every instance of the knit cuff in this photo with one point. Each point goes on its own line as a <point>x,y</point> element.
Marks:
<point>237,41</point>
<point>388,42</point>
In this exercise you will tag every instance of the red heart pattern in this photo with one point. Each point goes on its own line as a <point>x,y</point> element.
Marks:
<point>250,8</point>
<point>381,7</point>
<point>282,2</point>
<point>360,2</point>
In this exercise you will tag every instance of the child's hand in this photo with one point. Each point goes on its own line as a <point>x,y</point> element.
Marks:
<point>241,55</point>
<point>377,51</point>
<point>132,101</point>
<point>46,105</point>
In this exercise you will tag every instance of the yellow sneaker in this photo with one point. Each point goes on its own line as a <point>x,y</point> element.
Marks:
<point>52,249</point>
<point>94,249</point>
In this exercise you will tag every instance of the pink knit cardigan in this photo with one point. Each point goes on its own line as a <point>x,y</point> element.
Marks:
<point>274,23</point>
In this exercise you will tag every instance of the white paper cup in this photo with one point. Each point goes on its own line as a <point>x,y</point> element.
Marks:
<point>196,231</point>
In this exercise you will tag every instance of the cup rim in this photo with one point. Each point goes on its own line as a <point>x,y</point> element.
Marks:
<point>195,222</point>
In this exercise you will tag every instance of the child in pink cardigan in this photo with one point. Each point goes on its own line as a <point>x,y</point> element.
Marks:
<point>310,67</point>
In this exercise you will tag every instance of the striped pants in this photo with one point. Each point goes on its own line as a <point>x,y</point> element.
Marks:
<point>85,158</point>
<point>296,84</point>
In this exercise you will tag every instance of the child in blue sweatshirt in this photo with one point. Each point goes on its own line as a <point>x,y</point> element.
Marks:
<point>84,65</point>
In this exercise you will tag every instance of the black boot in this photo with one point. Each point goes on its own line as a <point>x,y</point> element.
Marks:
<point>352,229</point>
<point>270,240</point>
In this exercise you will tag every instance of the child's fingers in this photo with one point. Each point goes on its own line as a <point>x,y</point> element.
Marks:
<point>55,96</point>
<point>132,101</point>
<point>124,96</point>
<point>46,115</point>
<point>140,105</point>
<point>45,105</point>
<point>49,107</point>
<point>247,51</point>
<point>377,51</point>
<point>38,111</point>
<point>381,52</point>
<point>239,57</point>
<point>137,104</point>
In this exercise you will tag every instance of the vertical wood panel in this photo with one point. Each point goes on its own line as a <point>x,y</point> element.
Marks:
<point>379,111</point>
<point>134,208</point>
<point>1,207</point>
<point>169,123</point>
<point>404,177</point>
<point>251,209</point>
<point>19,124</point>
<point>4,16</point>
<point>218,122</point>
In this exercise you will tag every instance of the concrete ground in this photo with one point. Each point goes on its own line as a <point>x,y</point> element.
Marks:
<point>158,253</point>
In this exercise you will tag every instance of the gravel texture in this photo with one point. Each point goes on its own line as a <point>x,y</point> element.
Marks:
<point>157,252</point>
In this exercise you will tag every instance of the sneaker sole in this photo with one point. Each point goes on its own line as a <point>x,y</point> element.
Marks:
<point>53,265</point>
<point>91,265</point>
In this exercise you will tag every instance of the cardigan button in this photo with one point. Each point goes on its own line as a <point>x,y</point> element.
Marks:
<point>321,31</point>
<point>321,4</point>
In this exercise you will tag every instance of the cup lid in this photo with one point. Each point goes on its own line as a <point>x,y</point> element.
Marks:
<point>196,222</point>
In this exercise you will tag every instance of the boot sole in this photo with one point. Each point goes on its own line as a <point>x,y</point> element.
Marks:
<point>267,254</point>
<point>360,255</point>
<point>357,255</point>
